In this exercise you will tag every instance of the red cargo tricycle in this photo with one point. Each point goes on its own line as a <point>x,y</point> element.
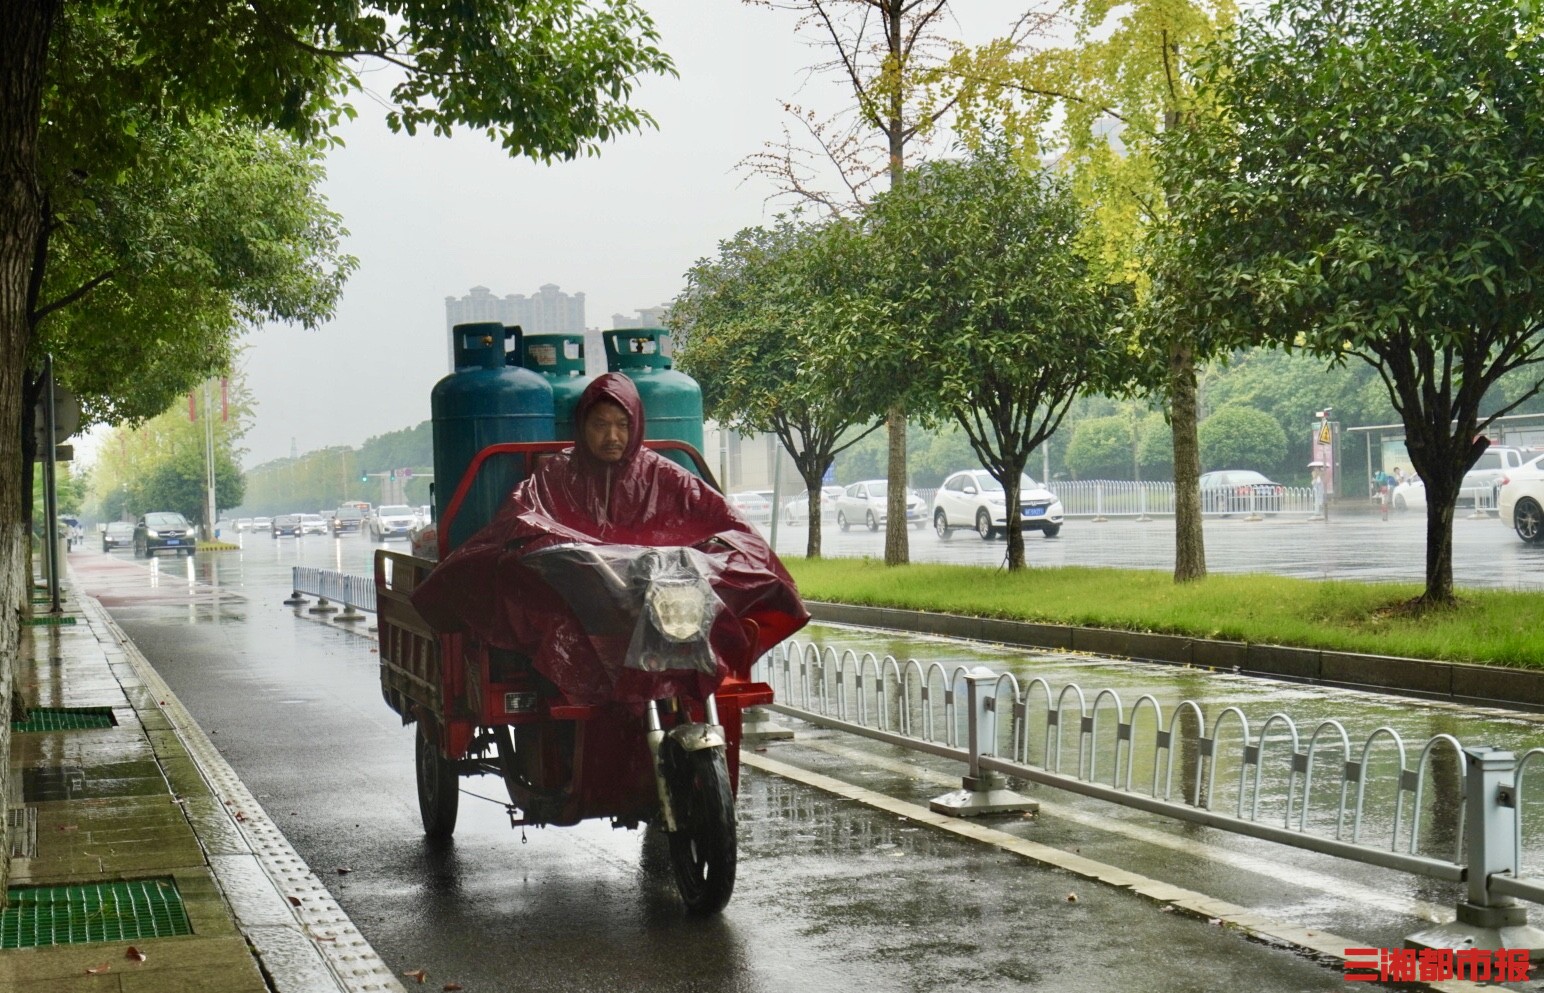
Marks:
<point>671,762</point>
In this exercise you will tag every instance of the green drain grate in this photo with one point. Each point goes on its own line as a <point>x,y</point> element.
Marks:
<point>67,915</point>
<point>66,719</point>
<point>49,619</point>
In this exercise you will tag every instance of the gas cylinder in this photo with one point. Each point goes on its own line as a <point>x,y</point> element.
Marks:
<point>485,401</point>
<point>559,358</point>
<point>672,400</point>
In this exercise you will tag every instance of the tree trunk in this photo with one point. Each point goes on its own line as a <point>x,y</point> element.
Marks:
<point>25,26</point>
<point>897,548</point>
<point>1439,552</point>
<point>814,493</point>
<point>1189,541</point>
<point>1015,518</point>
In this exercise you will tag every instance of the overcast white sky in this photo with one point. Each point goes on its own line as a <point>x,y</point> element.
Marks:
<point>434,217</point>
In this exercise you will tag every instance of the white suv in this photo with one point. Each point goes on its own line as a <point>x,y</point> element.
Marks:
<point>392,521</point>
<point>973,499</point>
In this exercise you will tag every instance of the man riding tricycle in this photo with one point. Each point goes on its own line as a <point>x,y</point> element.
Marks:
<point>592,644</point>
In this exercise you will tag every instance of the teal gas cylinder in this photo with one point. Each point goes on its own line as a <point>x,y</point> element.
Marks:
<point>560,359</point>
<point>485,401</point>
<point>672,401</point>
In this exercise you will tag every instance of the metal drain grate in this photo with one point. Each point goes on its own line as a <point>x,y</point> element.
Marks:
<point>38,916</point>
<point>23,823</point>
<point>49,620</point>
<point>66,719</point>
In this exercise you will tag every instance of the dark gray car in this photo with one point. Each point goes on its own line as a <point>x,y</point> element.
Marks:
<point>163,529</point>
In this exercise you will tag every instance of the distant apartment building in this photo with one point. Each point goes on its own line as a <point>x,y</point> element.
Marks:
<point>646,317</point>
<point>548,310</point>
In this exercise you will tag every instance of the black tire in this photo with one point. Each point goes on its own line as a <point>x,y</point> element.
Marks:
<point>439,788</point>
<point>941,524</point>
<point>984,525</point>
<point>870,521</point>
<point>703,848</point>
<point>1528,520</point>
<point>1051,530</point>
<point>841,520</point>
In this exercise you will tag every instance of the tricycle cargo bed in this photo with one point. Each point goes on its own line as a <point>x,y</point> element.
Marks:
<point>409,648</point>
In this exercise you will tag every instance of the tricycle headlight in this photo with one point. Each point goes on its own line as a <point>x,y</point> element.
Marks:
<point>677,608</point>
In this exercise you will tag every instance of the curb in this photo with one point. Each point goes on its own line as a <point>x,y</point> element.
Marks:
<point>1455,682</point>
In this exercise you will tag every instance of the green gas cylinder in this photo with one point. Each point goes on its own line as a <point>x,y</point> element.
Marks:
<point>485,401</point>
<point>672,401</point>
<point>559,358</point>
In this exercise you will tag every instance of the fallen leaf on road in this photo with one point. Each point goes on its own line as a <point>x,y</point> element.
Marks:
<point>97,970</point>
<point>1215,920</point>
<point>69,827</point>
<point>1072,898</point>
<point>294,901</point>
<point>344,870</point>
<point>134,954</point>
<point>418,974</point>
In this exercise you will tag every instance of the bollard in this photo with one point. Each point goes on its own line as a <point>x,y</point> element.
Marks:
<point>322,607</point>
<point>756,724</point>
<point>1099,517</point>
<point>981,792</point>
<point>1485,919</point>
<point>295,599</point>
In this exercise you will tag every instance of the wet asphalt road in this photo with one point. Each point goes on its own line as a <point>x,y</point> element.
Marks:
<point>1357,546</point>
<point>831,894</point>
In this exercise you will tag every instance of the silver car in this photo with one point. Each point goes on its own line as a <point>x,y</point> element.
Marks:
<point>866,503</point>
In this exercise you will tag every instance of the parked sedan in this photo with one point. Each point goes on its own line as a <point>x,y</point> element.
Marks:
<point>163,529</point>
<point>1521,503</point>
<point>1240,491</point>
<point>865,503</point>
<point>118,534</point>
<point>1410,494</point>
<point>752,506</point>
<point>798,509</point>
<point>973,499</point>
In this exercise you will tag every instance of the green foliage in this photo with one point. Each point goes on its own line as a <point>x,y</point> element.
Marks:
<point>153,271</point>
<point>1242,438</point>
<point>1155,447</point>
<point>1372,189</point>
<point>1103,448</point>
<point>179,483</point>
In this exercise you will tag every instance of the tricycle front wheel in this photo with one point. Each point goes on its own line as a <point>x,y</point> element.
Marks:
<point>703,846</point>
<point>439,788</point>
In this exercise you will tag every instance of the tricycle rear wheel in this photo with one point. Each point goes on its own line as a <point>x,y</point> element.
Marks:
<point>703,846</point>
<point>439,787</point>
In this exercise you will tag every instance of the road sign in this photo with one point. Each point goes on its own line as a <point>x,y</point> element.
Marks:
<point>66,419</point>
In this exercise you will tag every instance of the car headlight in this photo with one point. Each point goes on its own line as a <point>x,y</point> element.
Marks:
<point>152,534</point>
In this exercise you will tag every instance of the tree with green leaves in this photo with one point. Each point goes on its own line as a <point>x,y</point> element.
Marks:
<point>885,51</point>
<point>990,304</point>
<point>1373,188</point>
<point>1100,106</point>
<point>1242,438</point>
<point>748,323</point>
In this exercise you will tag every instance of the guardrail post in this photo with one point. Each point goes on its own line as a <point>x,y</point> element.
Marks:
<point>756,724</point>
<point>1142,502</point>
<point>295,599</point>
<point>1485,919</point>
<point>983,792</point>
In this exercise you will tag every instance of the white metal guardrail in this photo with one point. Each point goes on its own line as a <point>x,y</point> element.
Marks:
<point>1443,810</point>
<point>331,587</point>
<point>1141,498</point>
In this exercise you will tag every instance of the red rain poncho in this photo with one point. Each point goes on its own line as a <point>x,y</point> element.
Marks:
<point>485,588</point>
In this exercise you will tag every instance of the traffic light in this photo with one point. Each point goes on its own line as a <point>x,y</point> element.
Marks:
<point>364,477</point>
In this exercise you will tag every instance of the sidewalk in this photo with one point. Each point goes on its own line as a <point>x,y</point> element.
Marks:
<point>163,872</point>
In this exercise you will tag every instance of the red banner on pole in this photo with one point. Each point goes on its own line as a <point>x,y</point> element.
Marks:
<point>225,400</point>
<point>192,408</point>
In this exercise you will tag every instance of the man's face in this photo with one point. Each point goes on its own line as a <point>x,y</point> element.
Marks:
<point>606,430</point>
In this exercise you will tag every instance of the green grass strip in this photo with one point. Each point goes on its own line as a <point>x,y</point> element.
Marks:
<point>1486,626</point>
